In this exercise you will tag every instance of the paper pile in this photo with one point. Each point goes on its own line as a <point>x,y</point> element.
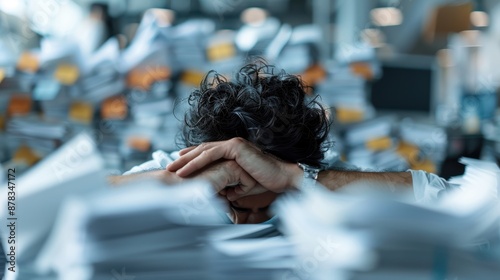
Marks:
<point>428,142</point>
<point>77,227</point>
<point>346,236</point>
<point>153,232</point>
<point>372,144</point>
<point>74,169</point>
<point>266,257</point>
<point>35,127</point>
<point>347,93</point>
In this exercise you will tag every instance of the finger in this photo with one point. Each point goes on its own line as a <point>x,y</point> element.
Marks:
<point>228,174</point>
<point>186,150</point>
<point>232,195</point>
<point>242,189</point>
<point>183,159</point>
<point>203,159</point>
<point>249,190</point>
<point>246,181</point>
<point>206,153</point>
<point>190,154</point>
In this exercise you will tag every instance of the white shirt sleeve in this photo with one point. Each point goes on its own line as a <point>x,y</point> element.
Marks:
<point>160,161</point>
<point>427,187</point>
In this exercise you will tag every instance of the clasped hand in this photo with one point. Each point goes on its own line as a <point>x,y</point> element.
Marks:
<point>240,163</point>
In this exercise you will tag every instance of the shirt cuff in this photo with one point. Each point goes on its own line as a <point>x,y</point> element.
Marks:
<point>427,187</point>
<point>160,161</point>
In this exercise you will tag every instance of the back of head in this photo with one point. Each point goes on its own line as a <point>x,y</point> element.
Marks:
<point>268,109</point>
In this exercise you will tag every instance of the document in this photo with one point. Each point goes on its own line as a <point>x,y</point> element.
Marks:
<point>72,170</point>
<point>362,235</point>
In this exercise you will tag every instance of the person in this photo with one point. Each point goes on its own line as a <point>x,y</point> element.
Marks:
<point>247,137</point>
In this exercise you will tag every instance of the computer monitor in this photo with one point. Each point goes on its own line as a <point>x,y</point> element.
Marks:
<point>405,85</point>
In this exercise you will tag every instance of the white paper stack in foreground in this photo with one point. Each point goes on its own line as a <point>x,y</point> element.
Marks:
<point>349,236</point>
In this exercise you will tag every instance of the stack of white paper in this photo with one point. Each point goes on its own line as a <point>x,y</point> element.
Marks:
<point>478,171</point>
<point>43,135</point>
<point>301,49</point>
<point>430,139</point>
<point>77,228</point>
<point>33,126</point>
<point>151,106</point>
<point>256,258</point>
<point>74,169</point>
<point>150,109</point>
<point>102,82</point>
<point>189,43</point>
<point>57,107</point>
<point>151,42</point>
<point>152,232</point>
<point>360,153</point>
<point>350,236</point>
<point>55,50</point>
<point>343,89</point>
<point>101,78</point>
<point>109,52</point>
<point>255,39</point>
<point>41,146</point>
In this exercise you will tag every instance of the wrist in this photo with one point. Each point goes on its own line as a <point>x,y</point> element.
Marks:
<point>310,176</point>
<point>295,175</point>
<point>167,177</point>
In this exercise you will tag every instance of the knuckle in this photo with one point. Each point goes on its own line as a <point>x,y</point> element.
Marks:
<point>211,154</point>
<point>237,140</point>
<point>203,146</point>
<point>205,153</point>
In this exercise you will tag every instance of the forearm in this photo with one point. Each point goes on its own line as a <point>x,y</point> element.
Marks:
<point>160,175</point>
<point>333,179</point>
<point>220,174</point>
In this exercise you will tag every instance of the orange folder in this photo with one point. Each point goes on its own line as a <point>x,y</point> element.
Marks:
<point>221,51</point>
<point>139,143</point>
<point>144,77</point>
<point>26,154</point>
<point>114,108</point>
<point>81,112</point>
<point>19,105</point>
<point>192,77</point>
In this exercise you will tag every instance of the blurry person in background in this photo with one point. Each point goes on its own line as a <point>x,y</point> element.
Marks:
<point>247,137</point>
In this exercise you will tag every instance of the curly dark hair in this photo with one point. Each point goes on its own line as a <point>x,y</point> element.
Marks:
<point>267,109</point>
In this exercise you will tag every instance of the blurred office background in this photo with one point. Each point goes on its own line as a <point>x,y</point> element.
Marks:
<point>410,84</point>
